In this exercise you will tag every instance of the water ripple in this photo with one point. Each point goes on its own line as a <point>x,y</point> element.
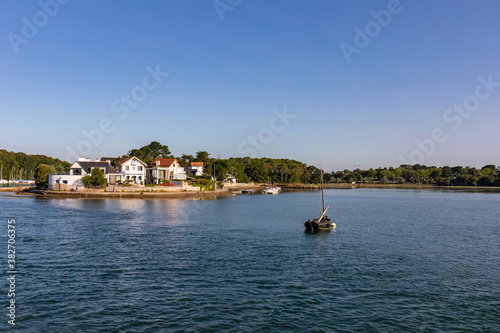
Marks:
<point>398,261</point>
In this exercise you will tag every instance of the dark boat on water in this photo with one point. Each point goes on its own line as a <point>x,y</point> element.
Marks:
<point>323,223</point>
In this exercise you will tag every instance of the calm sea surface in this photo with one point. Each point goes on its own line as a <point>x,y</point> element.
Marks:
<point>399,261</point>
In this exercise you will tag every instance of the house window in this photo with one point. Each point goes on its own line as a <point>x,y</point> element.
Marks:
<point>139,168</point>
<point>65,181</point>
<point>77,172</point>
<point>127,168</point>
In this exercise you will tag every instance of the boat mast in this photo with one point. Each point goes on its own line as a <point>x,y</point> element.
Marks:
<point>322,192</point>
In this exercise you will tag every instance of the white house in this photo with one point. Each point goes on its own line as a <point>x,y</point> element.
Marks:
<point>84,167</point>
<point>132,169</point>
<point>65,182</point>
<point>81,168</point>
<point>196,169</point>
<point>165,169</point>
<point>230,178</point>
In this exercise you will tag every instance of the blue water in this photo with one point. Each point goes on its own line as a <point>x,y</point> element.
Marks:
<point>399,261</point>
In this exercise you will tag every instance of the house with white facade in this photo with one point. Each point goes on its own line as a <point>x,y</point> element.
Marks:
<point>81,168</point>
<point>196,169</point>
<point>132,169</point>
<point>165,169</point>
<point>230,178</point>
<point>65,182</point>
<point>84,167</point>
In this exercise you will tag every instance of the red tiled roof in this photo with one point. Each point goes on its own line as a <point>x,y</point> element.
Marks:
<point>196,164</point>
<point>165,162</point>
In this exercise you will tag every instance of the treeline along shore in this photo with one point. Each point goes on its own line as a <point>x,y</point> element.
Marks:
<point>271,170</point>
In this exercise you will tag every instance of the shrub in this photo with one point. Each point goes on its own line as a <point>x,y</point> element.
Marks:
<point>42,175</point>
<point>96,178</point>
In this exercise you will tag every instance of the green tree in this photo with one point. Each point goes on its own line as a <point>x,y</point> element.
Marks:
<point>446,171</point>
<point>42,175</point>
<point>436,173</point>
<point>457,170</point>
<point>96,178</point>
<point>257,171</point>
<point>202,156</point>
<point>12,163</point>
<point>409,176</point>
<point>314,174</point>
<point>151,152</point>
<point>185,160</point>
<point>372,174</point>
<point>156,150</point>
<point>490,175</point>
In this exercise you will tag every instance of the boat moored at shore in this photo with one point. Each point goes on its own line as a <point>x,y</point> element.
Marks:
<point>272,190</point>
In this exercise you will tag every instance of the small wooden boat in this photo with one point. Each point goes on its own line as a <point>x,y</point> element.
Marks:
<point>323,223</point>
<point>246,191</point>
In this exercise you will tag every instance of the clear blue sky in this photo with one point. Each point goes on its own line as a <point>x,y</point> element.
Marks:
<point>64,69</point>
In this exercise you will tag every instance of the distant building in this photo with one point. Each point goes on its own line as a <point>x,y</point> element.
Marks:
<point>230,178</point>
<point>132,169</point>
<point>196,169</point>
<point>164,169</point>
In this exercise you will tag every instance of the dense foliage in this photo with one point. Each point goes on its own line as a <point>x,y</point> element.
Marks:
<point>96,178</point>
<point>488,175</point>
<point>23,166</point>
<point>42,173</point>
<point>149,153</point>
<point>262,170</point>
<point>286,171</point>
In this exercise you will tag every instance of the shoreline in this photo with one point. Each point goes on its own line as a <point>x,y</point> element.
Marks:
<point>195,195</point>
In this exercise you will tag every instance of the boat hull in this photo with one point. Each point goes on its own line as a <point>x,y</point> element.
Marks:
<point>314,225</point>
